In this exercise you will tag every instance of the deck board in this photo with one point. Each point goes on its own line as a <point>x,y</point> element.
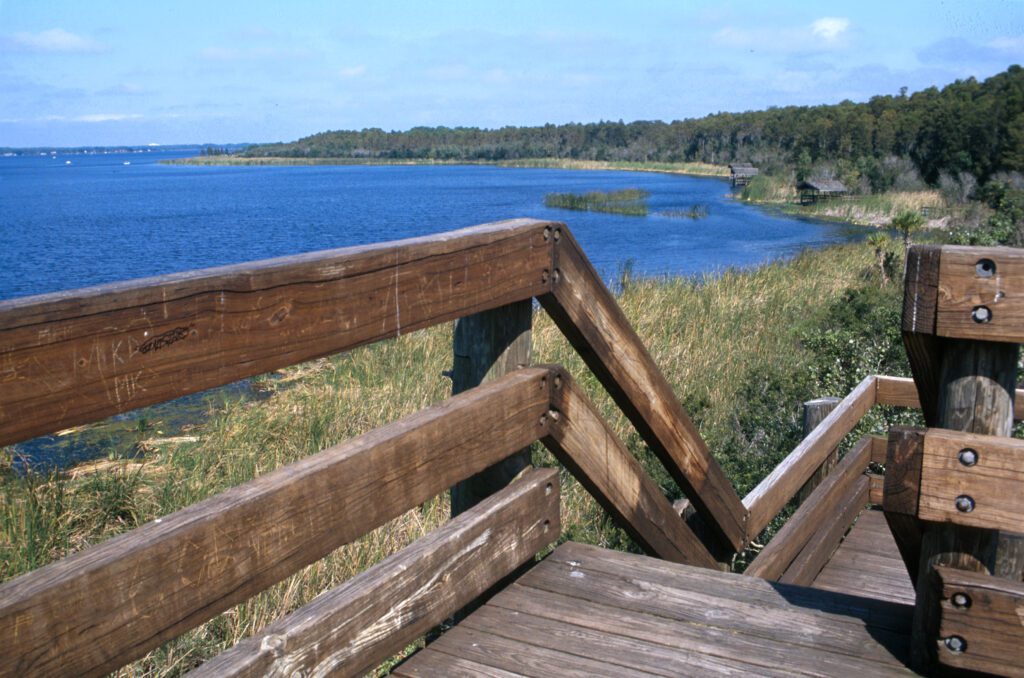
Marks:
<point>868,563</point>
<point>590,611</point>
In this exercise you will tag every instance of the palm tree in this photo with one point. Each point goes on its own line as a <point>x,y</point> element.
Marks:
<point>907,222</point>
<point>880,241</point>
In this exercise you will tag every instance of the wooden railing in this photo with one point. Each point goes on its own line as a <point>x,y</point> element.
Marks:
<point>74,357</point>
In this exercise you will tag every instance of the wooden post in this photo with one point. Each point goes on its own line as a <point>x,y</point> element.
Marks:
<point>976,383</point>
<point>815,412</point>
<point>489,345</point>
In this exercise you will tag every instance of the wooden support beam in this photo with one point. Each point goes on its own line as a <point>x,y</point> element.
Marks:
<point>821,508</point>
<point>982,628</point>
<point>103,607</point>
<point>779,486</point>
<point>814,413</point>
<point>587,314</point>
<point>808,563</point>
<point>76,357</point>
<point>920,297</point>
<point>486,346</point>
<point>582,441</point>
<point>901,491</point>
<point>981,294</point>
<point>352,628</point>
<point>902,392</point>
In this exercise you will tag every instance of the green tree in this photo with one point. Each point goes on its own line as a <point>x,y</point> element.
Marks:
<point>907,222</point>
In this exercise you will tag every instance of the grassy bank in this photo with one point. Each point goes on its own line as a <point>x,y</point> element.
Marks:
<point>865,210</point>
<point>741,349</point>
<point>688,168</point>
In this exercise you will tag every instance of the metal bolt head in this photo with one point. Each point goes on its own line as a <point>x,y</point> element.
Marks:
<point>961,601</point>
<point>955,644</point>
<point>981,314</point>
<point>964,504</point>
<point>968,457</point>
<point>985,268</point>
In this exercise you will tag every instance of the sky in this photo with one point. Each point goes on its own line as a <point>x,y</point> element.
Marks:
<point>88,72</point>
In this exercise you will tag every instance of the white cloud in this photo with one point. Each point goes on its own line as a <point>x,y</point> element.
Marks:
<point>829,28</point>
<point>55,40</point>
<point>352,71</point>
<point>93,117</point>
<point>1013,44</point>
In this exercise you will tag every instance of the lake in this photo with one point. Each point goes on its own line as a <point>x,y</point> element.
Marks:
<point>104,218</point>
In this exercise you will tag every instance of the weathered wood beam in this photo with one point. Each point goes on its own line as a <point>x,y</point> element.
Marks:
<point>808,563</point>
<point>592,452</point>
<point>902,392</point>
<point>924,349</point>
<point>588,316</point>
<point>770,496</point>
<point>981,294</point>
<point>75,357</point>
<point>103,607</point>
<point>352,628</point>
<point>900,495</point>
<point>819,509</point>
<point>981,627</point>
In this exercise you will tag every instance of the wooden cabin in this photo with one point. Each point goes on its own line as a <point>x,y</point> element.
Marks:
<point>740,173</point>
<point>813,190</point>
<point>901,557</point>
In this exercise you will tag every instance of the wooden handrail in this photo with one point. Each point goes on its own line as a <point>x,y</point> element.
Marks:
<point>75,357</point>
<point>107,605</point>
<point>355,626</point>
<point>779,486</point>
<point>588,316</point>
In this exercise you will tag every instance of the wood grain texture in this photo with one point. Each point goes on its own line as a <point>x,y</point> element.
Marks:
<point>76,357</point>
<point>588,316</point>
<point>994,483</point>
<point>992,624</point>
<point>350,629</point>
<point>819,509</point>
<point>779,486</point>
<point>902,489</point>
<point>815,412</point>
<point>902,392</point>
<point>924,349</point>
<point>486,346</point>
<point>809,562</point>
<point>99,609</point>
<point>582,441</point>
<point>962,290</point>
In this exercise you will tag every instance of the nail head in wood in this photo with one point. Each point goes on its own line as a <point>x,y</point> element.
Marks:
<point>961,601</point>
<point>956,644</point>
<point>981,314</point>
<point>964,504</point>
<point>968,457</point>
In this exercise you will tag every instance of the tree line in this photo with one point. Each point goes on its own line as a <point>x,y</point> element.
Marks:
<point>968,127</point>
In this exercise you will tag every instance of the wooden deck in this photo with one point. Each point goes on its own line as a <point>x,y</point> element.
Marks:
<point>867,563</point>
<point>590,611</point>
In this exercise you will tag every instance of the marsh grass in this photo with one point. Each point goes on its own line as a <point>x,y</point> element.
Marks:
<point>627,201</point>
<point>719,340</point>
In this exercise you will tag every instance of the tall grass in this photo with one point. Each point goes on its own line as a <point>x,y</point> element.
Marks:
<point>717,339</point>
<point>627,201</point>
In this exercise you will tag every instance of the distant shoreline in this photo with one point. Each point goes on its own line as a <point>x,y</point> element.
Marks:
<point>688,168</point>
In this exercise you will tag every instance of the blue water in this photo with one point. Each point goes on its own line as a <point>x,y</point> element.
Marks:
<point>99,220</point>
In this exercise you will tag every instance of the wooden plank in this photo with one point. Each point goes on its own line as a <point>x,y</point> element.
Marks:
<point>355,626</point>
<point>99,609</point>
<point>879,449</point>
<point>76,357</point>
<point>779,486</point>
<point>967,284</point>
<point>434,663</point>
<point>819,508</point>
<point>485,346</point>
<point>924,350</point>
<point>825,541</point>
<point>758,610</point>
<point>522,658</point>
<point>839,609</point>
<point>992,484</point>
<point>902,392</point>
<point>647,642</point>
<point>876,488</point>
<point>582,441</point>
<point>587,314</point>
<point>901,492</point>
<point>991,623</point>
